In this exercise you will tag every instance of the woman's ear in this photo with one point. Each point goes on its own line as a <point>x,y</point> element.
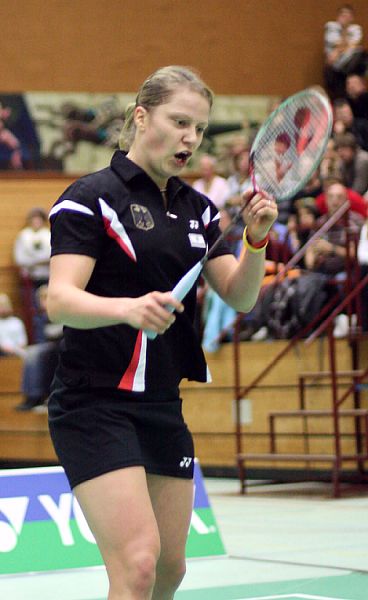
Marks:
<point>140,116</point>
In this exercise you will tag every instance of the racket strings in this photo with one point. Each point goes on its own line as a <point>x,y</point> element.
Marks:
<point>291,145</point>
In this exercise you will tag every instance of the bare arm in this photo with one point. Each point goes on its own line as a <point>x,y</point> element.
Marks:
<point>238,282</point>
<point>70,304</point>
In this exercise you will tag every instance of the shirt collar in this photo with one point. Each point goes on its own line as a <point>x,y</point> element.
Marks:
<point>128,170</point>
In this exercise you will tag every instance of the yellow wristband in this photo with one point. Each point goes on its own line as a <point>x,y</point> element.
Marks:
<point>259,247</point>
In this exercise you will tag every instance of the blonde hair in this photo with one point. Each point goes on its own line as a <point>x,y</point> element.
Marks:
<point>156,90</point>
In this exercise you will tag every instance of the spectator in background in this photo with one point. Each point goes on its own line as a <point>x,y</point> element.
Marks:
<point>40,362</point>
<point>344,122</point>
<point>357,95</point>
<point>32,256</point>
<point>328,253</point>
<point>218,316</point>
<point>239,181</point>
<point>212,185</point>
<point>363,261</point>
<point>357,203</point>
<point>13,336</point>
<point>330,164</point>
<point>302,224</point>
<point>312,189</point>
<point>353,163</point>
<point>344,53</point>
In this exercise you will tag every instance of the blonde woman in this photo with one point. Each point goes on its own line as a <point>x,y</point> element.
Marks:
<point>121,239</point>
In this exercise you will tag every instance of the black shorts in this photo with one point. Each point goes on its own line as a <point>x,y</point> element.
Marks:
<point>98,430</point>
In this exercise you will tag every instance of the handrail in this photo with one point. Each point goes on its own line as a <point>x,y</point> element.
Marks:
<point>334,218</point>
<point>335,303</point>
<point>337,310</point>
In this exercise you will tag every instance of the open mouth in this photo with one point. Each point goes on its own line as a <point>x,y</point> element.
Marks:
<point>182,158</point>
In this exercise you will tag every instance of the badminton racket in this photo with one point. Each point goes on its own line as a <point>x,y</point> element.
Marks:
<point>285,153</point>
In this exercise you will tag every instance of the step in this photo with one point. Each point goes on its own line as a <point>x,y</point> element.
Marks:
<point>353,412</point>
<point>323,374</point>
<point>301,457</point>
<point>10,373</point>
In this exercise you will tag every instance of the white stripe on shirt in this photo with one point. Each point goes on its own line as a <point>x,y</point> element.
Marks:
<point>70,205</point>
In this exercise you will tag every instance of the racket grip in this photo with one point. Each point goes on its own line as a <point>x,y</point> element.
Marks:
<point>179,292</point>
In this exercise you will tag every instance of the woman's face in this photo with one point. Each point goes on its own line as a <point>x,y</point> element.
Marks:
<point>36,222</point>
<point>167,135</point>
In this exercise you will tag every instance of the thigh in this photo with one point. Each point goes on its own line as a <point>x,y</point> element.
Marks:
<point>172,501</point>
<point>119,513</point>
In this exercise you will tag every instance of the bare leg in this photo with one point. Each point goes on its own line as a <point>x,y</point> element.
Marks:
<point>172,501</point>
<point>119,512</point>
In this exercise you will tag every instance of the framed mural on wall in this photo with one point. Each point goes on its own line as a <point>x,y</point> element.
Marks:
<point>77,133</point>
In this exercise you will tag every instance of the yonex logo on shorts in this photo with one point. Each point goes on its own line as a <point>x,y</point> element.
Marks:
<point>185,462</point>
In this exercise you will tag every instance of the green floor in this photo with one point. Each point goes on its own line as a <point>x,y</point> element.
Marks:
<point>283,542</point>
<point>342,587</point>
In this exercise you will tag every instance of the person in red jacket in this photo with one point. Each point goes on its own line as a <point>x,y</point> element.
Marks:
<point>357,203</point>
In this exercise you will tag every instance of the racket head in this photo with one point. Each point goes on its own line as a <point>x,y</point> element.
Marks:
<point>291,143</point>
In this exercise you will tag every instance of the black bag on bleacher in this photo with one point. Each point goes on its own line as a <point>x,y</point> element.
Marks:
<point>293,303</point>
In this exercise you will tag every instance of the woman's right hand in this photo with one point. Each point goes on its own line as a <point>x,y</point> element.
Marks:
<point>69,303</point>
<point>152,311</point>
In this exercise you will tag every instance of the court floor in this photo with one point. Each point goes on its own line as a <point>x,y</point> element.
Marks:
<point>289,541</point>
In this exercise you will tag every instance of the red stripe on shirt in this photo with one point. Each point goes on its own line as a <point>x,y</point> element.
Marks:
<point>127,380</point>
<point>117,238</point>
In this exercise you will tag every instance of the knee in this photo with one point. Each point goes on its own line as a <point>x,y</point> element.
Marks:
<point>142,572</point>
<point>133,573</point>
<point>178,573</point>
<point>170,574</point>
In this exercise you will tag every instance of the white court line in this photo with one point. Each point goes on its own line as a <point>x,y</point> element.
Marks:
<point>295,596</point>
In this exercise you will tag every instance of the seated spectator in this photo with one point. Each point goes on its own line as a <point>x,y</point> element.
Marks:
<point>210,184</point>
<point>363,261</point>
<point>357,203</point>
<point>357,95</point>
<point>344,122</point>
<point>285,308</point>
<point>40,361</point>
<point>239,181</point>
<point>354,163</point>
<point>312,189</point>
<point>217,315</point>
<point>330,164</point>
<point>302,224</point>
<point>13,336</point>
<point>328,254</point>
<point>32,255</point>
<point>344,52</point>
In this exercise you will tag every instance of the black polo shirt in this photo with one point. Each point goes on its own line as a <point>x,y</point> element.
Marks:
<point>118,217</point>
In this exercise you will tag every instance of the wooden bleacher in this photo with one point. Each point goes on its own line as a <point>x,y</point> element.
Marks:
<point>24,436</point>
<point>17,197</point>
<point>208,409</point>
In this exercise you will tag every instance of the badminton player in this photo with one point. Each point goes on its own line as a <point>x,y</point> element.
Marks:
<point>121,239</point>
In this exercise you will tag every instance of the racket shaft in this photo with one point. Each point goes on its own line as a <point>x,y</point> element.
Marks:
<point>181,289</point>
<point>186,283</point>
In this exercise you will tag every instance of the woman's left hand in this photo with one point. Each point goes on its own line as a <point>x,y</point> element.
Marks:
<point>259,215</point>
